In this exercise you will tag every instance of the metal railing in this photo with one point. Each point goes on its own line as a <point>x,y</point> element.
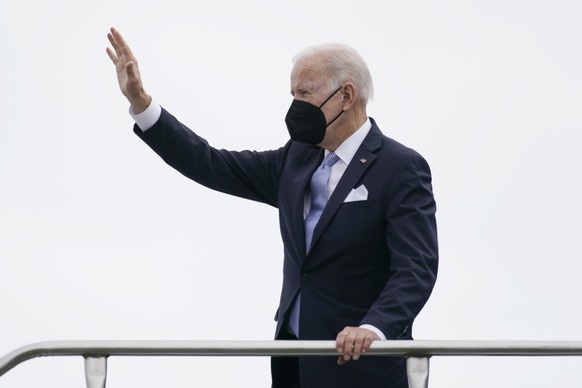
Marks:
<point>416,352</point>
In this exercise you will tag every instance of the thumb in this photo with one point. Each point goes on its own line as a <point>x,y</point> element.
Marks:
<point>130,70</point>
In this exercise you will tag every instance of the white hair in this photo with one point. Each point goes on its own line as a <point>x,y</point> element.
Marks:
<point>341,64</point>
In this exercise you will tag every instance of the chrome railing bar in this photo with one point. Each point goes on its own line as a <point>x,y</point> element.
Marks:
<point>416,351</point>
<point>286,348</point>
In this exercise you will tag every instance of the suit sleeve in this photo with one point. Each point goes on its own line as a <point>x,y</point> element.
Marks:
<point>411,237</point>
<point>247,174</point>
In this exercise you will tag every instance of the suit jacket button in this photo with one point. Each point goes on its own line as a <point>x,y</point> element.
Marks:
<point>305,276</point>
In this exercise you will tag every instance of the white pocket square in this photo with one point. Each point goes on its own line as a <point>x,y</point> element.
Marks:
<point>358,194</point>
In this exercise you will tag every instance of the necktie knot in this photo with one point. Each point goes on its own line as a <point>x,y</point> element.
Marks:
<point>330,159</point>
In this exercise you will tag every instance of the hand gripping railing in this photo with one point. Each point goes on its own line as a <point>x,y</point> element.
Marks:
<point>416,352</point>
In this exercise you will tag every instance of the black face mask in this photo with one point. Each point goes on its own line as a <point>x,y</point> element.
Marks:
<point>306,122</point>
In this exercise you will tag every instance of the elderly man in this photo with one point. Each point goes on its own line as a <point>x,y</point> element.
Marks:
<point>356,211</point>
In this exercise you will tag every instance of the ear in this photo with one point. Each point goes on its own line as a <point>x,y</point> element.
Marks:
<point>349,96</point>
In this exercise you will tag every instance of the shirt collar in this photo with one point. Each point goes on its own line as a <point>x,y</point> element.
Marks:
<point>348,148</point>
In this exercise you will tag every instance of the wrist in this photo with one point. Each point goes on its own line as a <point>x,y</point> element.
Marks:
<point>140,103</point>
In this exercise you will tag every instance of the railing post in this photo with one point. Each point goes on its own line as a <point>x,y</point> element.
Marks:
<point>96,371</point>
<point>417,369</point>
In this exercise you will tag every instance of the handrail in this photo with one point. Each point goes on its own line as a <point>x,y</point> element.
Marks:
<point>417,352</point>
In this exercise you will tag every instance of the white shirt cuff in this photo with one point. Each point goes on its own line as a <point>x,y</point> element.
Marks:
<point>146,119</point>
<point>375,330</point>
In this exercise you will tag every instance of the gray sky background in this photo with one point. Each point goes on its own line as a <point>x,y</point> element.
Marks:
<point>99,239</point>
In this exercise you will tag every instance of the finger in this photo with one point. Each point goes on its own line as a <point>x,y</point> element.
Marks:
<point>339,342</point>
<point>112,56</point>
<point>345,343</point>
<point>367,343</point>
<point>123,46</point>
<point>349,345</point>
<point>342,346</point>
<point>358,345</point>
<point>114,43</point>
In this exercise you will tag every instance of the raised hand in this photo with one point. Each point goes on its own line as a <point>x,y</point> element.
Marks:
<point>127,72</point>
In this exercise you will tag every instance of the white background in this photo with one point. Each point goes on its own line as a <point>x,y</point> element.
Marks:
<point>99,239</point>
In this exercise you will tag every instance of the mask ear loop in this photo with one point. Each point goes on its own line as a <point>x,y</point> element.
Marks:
<point>334,119</point>
<point>329,98</point>
<point>326,100</point>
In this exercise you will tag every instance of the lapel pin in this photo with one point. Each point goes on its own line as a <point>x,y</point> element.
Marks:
<point>363,160</point>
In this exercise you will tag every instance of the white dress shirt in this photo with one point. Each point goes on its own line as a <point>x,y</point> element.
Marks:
<point>146,119</point>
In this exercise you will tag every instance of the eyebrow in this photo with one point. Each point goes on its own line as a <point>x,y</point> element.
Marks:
<point>308,87</point>
<point>300,91</point>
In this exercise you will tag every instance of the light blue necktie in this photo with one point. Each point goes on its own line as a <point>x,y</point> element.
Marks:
<point>319,196</point>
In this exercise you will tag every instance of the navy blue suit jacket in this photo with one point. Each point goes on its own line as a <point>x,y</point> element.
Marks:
<point>372,261</point>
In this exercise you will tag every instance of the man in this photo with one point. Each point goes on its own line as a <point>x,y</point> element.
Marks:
<point>358,229</point>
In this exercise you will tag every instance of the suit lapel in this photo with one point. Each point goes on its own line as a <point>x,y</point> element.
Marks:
<point>362,160</point>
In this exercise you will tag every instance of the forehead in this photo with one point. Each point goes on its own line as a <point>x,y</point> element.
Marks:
<point>308,73</point>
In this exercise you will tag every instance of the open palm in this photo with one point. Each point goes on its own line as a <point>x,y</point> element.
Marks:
<point>127,69</point>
